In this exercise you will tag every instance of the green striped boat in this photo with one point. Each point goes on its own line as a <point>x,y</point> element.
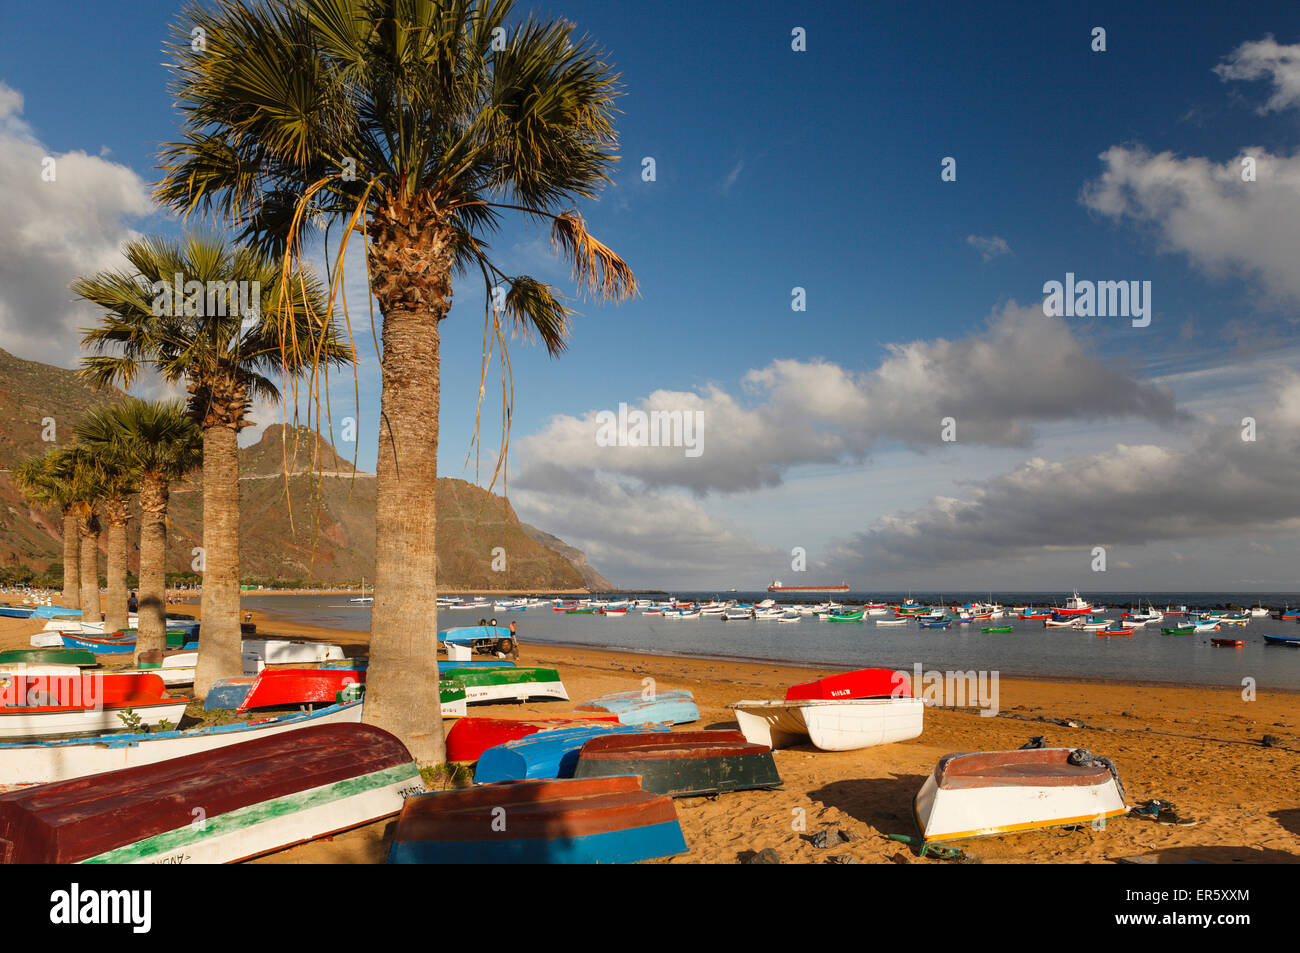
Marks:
<point>847,616</point>
<point>508,684</point>
<point>450,691</point>
<point>998,628</point>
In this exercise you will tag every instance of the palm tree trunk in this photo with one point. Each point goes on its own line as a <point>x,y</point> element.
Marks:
<point>152,614</point>
<point>402,679</point>
<point>117,516</point>
<point>88,532</point>
<point>220,647</point>
<point>71,573</point>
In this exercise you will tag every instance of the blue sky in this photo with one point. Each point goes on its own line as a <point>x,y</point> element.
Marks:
<point>821,169</point>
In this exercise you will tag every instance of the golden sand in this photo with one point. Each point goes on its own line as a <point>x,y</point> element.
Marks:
<point>1198,747</point>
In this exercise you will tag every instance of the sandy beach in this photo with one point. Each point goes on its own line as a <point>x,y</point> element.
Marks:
<point>1200,748</point>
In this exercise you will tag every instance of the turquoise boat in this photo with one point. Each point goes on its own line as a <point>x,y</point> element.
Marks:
<point>675,707</point>
<point>578,821</point>
<point>547,754</point>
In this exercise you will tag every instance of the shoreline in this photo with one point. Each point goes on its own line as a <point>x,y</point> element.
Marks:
<point>1201,747</point>
<point>324,631</point>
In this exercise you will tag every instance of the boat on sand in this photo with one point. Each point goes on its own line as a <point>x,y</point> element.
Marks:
<point>681,763</point>
<point>575,821</point>
<point>832,725</point>
<point>256,797</point>
<point>998,792</point>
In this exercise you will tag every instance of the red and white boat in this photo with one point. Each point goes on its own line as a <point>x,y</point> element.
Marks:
<point>470,737</point>
<point>1074,606</point>
<point>276,687</point>
<point>864,683</point>
<point>40,706</point>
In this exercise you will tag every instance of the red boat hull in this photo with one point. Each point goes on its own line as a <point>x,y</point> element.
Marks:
<point>72,692</point>
<point>470,737</point>
<point>864,683</point>
<point>276,687</point>
<point>1103,632</point>
<point>1231,643</point>
<point>68,821</point>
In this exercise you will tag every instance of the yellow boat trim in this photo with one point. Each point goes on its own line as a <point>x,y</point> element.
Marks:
<point>1012,828</point>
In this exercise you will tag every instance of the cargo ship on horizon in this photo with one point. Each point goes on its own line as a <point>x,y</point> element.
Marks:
<point>777,587</point>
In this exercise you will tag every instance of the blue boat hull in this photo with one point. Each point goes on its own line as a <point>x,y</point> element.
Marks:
<point>227,693</point>
<point>469,634</point>
<point>120,648</point>
<point>15,612</point>
<point>611,847</point>
<point>547,754</point>
<point>1283,639</point>
<point>54,612</point>
<point>674,707</point>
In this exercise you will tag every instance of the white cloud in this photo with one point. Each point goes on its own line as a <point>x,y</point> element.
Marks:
<point>1205,211</point>
<point>53,232</point>
<point>1022,368</point>
<point>1223,486</point>
<point>989,246</point>
<point>1266,59</point>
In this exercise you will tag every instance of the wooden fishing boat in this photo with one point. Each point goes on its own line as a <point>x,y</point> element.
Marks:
<point>998,792</point>
<point>486,685</point>
<point>576,821</point>
<point>864,683</point>
<point>451,695</point>
<point>277,687</point>
<point>998,628</point>
<point>846,616</point>
<point>470,737</point>
<point>49,656</point>
<point>1231,643</point>
<point>1032,616</point>
<point>99,646</point>
<point>257,797</point>
<point>88,704</point>
<point>1111,630</point>
<point>226,694</point>
<point>681,763</point>
<point>891,622</point>
<point>43,762</point>
<point>936,624</point>
<point>1178,630</point>
<point>1282,639</point>
<point>261,652</point>
<point>546,754</point>
<point>673,707</point>
<point>840,725</point>
<point>16,612</point>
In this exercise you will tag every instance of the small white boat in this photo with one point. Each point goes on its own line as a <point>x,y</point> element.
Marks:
<point>259,653</point>
<point>25,763</point>
<point>891,622</point>
<point>832,725</point>
<point>998,792</point>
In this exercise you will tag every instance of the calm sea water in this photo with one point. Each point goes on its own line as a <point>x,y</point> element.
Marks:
<point>1031,649</point>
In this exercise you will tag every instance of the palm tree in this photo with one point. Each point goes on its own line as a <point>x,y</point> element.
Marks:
<point>76,465</point>
<point>417,123</point>
<point>225,358</point>
<point>159,443</point>
<point>36,477</point>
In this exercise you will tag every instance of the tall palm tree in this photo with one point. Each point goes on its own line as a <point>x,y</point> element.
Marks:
<point>42,486</point>
<point>416,123</point>
<point>225,358</point>
<point>88,488</point>
<point>159,443</point>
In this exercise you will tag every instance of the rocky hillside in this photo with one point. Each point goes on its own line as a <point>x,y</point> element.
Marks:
<point>315,526</point>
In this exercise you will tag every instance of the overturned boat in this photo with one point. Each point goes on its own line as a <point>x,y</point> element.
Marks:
<point>999,792</point>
